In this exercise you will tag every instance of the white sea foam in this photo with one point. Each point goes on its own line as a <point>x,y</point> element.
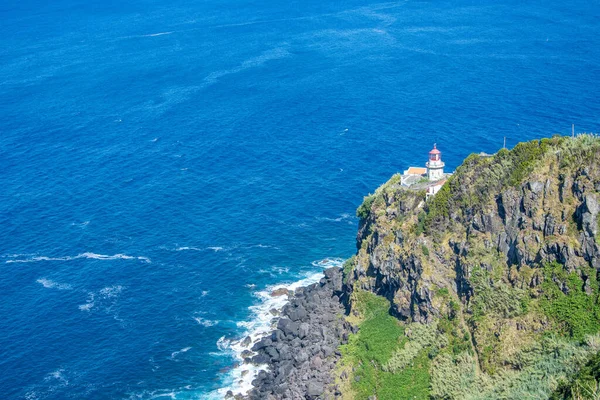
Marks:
<point>57,375</point>
<point>87,306</point>
<point>50,284</point>
<point>184,350</point>
<point>103,298</point>
<point>340,218</point>
<point>192,248</point>
<point>186,248</point>
<point>239,379</point>
<point>205,322</point>
<point>156,34</point>
<point>111,292</point>
<point>205,293</point>
<point>87,255</point>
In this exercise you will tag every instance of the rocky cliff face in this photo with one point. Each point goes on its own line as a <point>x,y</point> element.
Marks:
<point>407,249</point>
<point>503,257</point>
<point>493,284</point>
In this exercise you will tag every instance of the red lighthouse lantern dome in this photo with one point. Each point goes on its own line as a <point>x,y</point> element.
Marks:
<point>435,154</point>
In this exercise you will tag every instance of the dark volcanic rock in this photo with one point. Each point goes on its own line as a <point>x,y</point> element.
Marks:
<point>300,353</point>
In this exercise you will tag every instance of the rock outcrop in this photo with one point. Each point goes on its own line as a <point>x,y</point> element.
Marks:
<point>499,271</point>
<point>301,353</point>
<point>408,249</point>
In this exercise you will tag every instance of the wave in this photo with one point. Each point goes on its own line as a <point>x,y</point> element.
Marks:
<point>342,217</point>
<point>50,284</point>
<point>156,34</point>
<point>258,325</point>
<point>217,249</point>
<point>192,248</point>
<point>175,353</point>
<point>205,322</point>
<point>86,255</point>
<point>109,294</point>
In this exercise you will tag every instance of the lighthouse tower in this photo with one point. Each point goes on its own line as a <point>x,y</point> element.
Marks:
<point>435,165</point>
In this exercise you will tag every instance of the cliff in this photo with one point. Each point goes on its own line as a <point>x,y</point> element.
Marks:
<point>487,290</point>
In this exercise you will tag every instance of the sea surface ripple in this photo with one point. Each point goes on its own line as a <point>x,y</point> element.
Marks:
<point>164,164</point>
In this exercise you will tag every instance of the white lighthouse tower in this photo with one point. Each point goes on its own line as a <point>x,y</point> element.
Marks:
<point>435,165</point>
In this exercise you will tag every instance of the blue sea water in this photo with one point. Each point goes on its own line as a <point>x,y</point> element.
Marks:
<point>163,164</point>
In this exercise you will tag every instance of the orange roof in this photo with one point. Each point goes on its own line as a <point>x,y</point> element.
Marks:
<point>416,171</point>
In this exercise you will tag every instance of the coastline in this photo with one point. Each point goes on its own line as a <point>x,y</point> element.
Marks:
<point>263,347</point>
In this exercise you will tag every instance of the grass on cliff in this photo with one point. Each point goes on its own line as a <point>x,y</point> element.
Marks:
<point>370,349</point>
<point>565,301</point>
<point>585,384</point>
<point>478,176</point>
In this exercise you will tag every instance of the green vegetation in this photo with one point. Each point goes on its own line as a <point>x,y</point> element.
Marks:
<point>477,177</point>
<point>472,261</point>
<point>524,157</point>
<point>371,348</point>
<point>348,267</point>
<point>456,338</point>
<point>364,209</point>
<point>456,377</point>
<point>495,297</point>
<point>575,312</point>
<point>583,385</point>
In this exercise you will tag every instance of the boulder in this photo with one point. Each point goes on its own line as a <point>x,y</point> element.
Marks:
<point>280,292</point>
<point>315,389</point>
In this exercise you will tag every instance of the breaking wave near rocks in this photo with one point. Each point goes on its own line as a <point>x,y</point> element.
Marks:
<point>263,317</point>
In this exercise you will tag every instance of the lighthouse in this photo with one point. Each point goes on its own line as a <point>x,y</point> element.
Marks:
<point>435,165</point>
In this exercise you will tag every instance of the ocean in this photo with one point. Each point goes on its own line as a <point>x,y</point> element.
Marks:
<point>164,165</point>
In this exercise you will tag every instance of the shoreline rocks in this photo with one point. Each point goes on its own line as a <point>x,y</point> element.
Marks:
<point>281,292</point>
<point>301,352</point>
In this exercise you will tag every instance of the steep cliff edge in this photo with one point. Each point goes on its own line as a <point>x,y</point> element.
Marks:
<point>493,282</point>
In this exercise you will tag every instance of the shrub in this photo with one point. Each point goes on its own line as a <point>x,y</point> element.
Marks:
<point>348,267</point>
<point>575,312</point>
<point>364,209</point>
<point>495,297</point>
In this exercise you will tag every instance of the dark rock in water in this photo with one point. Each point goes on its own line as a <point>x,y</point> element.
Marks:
<point>300,352</point>
<point>280,292</point>
<point>247,341</point>
<point>247,354</point>
<point>260,359</point>
<point>275,312</point>
<point>265,342</point>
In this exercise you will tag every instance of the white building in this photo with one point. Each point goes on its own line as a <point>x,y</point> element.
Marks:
<point>435,165</point>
